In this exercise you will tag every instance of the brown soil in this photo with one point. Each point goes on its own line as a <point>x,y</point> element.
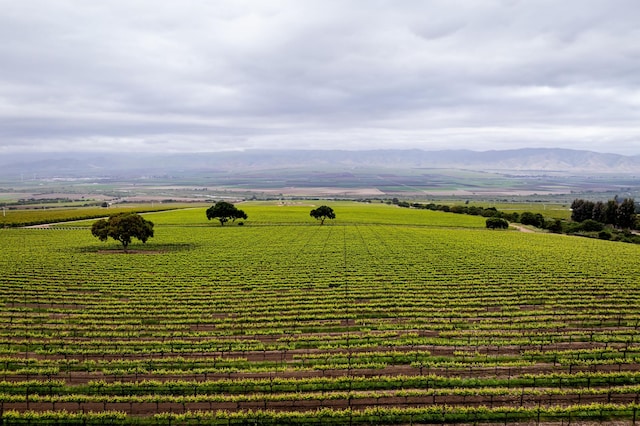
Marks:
<point>150,408</point>
<point>131,251</point>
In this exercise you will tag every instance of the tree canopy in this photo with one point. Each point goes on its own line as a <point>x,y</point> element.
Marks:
<point>123,227</point>
<point>496,223</point>
<point>224,212</point>
<point>620,214</point>
<point>322,213</point>
<point>533,219</point>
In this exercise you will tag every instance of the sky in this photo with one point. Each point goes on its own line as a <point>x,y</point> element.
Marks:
<point>217,75</point>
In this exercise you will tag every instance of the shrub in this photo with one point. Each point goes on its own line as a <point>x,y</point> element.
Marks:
<point>496,223</point>
<point>591,225</point>
<point>554,226</point>
<point>534,219</point>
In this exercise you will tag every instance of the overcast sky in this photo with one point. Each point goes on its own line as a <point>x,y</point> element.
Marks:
<point>211,75</point>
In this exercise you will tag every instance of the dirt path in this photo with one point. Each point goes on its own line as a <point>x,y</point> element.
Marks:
<point>522,228</point>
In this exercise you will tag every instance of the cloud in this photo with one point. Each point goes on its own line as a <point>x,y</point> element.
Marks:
<point>199,75</point>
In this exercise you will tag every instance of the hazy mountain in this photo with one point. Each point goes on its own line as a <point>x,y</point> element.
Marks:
<point>136,164</point>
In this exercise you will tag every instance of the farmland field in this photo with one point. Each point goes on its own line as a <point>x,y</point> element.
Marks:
<point>385,315</point>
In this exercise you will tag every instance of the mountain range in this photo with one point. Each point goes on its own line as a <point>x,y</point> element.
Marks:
<point>530,160</point>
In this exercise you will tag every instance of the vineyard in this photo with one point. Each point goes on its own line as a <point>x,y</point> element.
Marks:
<point>33,217</point>
<point>383,316</point>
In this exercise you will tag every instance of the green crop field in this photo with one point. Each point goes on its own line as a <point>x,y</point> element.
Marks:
<point>383,316</point>
<point>33,217</point>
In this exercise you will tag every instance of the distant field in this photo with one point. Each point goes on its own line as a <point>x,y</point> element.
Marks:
<point>296,213</point>
<point>324,181</point>
<point>264,212</point>
<point>386,315</point>
<point>34,216</point>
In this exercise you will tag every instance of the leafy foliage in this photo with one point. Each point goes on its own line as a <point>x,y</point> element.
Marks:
<point>625,215</point>
<point>225,211</point>
<point>123,227</point>
<point>620,214</point>
<point>322,213</point>
<point>534,219</point>
<point>497,223</point>
<point>591,225</point>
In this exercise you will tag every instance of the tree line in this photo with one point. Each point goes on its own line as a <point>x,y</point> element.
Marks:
<point>613,220</point>
<point>620,214</point>
<point>471,210</point>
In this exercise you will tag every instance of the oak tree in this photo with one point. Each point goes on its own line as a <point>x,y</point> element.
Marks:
<point>123,227</point>
<point>224,212</point>
<point>322,213</point>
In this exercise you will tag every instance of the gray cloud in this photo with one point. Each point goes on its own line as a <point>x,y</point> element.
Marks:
<point>200,75</point>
